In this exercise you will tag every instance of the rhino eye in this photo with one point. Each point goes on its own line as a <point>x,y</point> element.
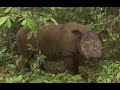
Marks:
<point>98,44</point>
<point>84,46</point>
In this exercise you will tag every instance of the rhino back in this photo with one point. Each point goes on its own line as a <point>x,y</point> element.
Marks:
<point>47,40</point>
<point>55,42</point>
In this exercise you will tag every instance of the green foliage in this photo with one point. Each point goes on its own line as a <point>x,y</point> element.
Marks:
<point>15,79</point>
<point>8,23</point>
<point>112,46</point>
<point>110,72</point>
<point>8,9</point>
<point>39,57</point>
<point>46,78</point>
<point>29,21</point>
<point>60,78</point>
<point>3,19</point>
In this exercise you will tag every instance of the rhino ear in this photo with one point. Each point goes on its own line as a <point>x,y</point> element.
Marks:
<point>77,33</point>
<point>102,34</point>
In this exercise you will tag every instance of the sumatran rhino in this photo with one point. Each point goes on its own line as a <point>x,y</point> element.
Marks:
<point>68,42</point>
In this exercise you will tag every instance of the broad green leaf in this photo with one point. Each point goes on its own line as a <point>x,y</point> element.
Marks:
<point>41,18</point>
<point>53,8</point>
<point>20,19</point>
<point>8,23</point>
<point>3,19</point>
<point>54,21</point>
<point>108,80</point>
<point>29,35</point>
<point>23,22</point>
<point>29,13</point>
<point>29,46</point>
<point>59,7</point>
<point>113,38</point>
<point>31,27</point>
<point>8,9</point>
<point>118,76</point>
<point>31,24</point>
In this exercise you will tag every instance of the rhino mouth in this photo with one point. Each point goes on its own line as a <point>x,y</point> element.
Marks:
<point>95,59</point>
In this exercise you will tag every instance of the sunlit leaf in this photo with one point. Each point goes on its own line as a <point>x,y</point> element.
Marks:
<point>29,35</point>
<point>53,8</point>
<point>3,19</point>
<point>8,9</point>
<point>29,46</point>
<point>30,24</point>
<point>54,21</point>
<point>8,23</point>
<point>23,22</point>
<point>118,76</point>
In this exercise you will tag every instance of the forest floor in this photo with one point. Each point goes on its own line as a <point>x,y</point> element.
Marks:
<point>107,72</point>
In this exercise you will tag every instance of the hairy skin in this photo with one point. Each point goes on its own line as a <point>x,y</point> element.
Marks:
<point>68,42</point>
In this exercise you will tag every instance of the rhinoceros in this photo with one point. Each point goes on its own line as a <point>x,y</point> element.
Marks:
<point>68,42</point>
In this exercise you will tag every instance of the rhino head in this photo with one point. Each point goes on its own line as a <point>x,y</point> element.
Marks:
<point>89,43</point>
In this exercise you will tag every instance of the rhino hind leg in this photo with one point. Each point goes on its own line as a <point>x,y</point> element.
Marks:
<point>71,65</point>
<point>42,66</point>
<point>19,62</point>
<point>22,64</point>
<point>26,67</point>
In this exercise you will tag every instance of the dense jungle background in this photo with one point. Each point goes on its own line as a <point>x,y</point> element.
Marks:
<point>97,18</point>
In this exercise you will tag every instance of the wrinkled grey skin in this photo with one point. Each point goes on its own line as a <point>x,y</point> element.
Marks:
<point>68,42</point>
<point>90,45</point>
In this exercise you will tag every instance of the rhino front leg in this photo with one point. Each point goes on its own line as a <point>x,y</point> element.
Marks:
<point>22,64</point>
<point>71,66</point>
<point>42,66</point>
<point>26,67</point>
